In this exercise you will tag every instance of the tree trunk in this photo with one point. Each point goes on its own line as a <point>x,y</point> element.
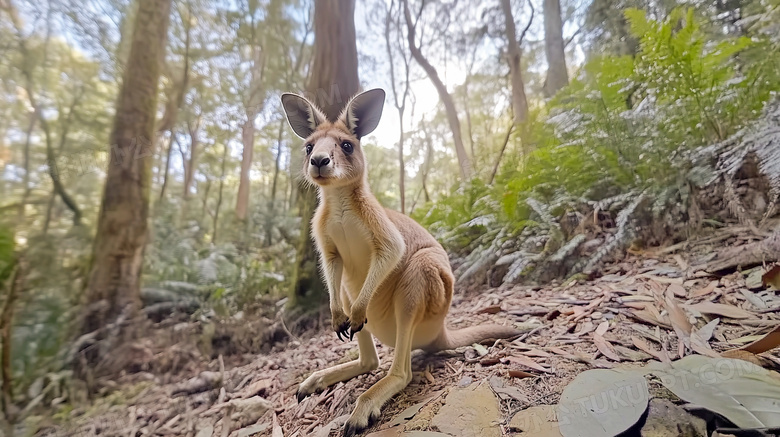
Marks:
<point>514,56</point>
<point>271,212</point>
<point>167,168</point>
<point>114,285</point>
<point>191,162</point>
<point>449,104</point>
<point>333,82</point>
<point>219,193</point>
<point>248,140</point>
<point>557,76</point>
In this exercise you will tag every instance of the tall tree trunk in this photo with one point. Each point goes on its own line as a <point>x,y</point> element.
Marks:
<point>191,161</point>
<point>271,211</point>
<point>449,104</point>
<point>557,76</point>
<point>333,82</point>
<point>114,285</point>
<point>167,168</point>
<point>514,56</point>
<point>253,107</point>
<point>399,99</point>
<point>26,180</point>
<point>219,193</point>
<point>248,141</point>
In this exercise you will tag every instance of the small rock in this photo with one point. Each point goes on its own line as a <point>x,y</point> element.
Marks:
<point>596,315</point>
<point>469,412</point>
<point>537,421</point>
<point>666,419</point>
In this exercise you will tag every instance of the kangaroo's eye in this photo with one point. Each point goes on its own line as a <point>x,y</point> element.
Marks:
<point>309,148</point>
<point>347,147</point>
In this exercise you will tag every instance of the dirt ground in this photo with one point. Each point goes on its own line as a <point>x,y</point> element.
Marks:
<point>625,317</point>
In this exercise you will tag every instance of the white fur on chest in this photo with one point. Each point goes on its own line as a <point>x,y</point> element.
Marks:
<point>353,243</point>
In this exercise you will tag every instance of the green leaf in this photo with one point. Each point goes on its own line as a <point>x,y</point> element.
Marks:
<point>745,394</point>
<point>602,402</point>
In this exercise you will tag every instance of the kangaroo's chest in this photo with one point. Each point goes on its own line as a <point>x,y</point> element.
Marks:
<point>353,242</point>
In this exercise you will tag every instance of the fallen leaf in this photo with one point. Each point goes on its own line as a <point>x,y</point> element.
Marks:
<point>510,392</point>
<point>605,347</point>
<point>536,421</point>
<point>481,350</point>
<point>520,374</point>
<point>720,309</point>
<point>742,392</point>
<point>526,362</point>
<point>707,289</point>
<point>277,430</point>
<point>750,357</point>
<point>766,343</point>
<point>602,402</point>
<point>492,309</point>
<point>772,277</point>
<point>642,345</point>
<point>409,413</point>
<point>676,289</point>
<point>706,332</point>
<point>681,262</point>
<point>754,299</point>
<point>429,376</point>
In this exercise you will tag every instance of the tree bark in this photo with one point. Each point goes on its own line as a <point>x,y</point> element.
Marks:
<point>557,76</point>
<point>449,104</point>
<point>219,193</point>
<point>333,82</point>
<point>399,99</point>
<point>514,56</point>
<point>114,285</point>
<point>191,161</point>
<point>253,106</point>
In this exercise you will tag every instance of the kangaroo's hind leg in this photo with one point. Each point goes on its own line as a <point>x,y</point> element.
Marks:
<point>366,362</point>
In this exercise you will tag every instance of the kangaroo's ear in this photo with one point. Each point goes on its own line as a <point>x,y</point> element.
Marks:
<point>301,114</point>
<point>363,112</point>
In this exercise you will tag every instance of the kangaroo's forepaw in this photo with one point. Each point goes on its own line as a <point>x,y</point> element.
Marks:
<point>361,419</point>
<point>340,323</point>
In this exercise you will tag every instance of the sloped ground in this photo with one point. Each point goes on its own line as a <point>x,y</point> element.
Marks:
<point>627,316</point>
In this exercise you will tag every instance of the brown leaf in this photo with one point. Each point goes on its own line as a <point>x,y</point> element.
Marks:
<point>493,309</point>
<point>768,342</point>
<point>720,309</point>
<point>678,317</point>
<point>772,277</point>
<point>520,374</point>
<point>602,328</point>
<point>605,347</point>
<point>749,357</point>
<point>642,345</point>
<point>527,362</point>
<point>676,289</point>
<point>429,376</point>
<point>681,262</point>
<point>707,289</point>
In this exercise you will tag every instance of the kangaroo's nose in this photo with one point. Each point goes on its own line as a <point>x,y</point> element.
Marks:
<point>320,161</point>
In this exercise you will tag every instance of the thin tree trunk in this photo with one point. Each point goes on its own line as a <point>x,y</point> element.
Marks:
<point>167,164</point>
<point>248,140</point>
<point>399,100</point>
<point>514,56</point>
<point>114,285</point>
<point>557,75</point>
<point>449,104</point>
<point>26,180</point>
<point>203,209</point>
<point>501,153</point>
<point>191,162</point>
<point>334,81</point>
<point>271,213</point>
<point>219,194</point>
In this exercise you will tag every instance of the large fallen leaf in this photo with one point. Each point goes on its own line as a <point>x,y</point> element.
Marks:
<point>742,392</point>
<point>526,362</point>
<point>720,309</point>
<point>772,277</point>
<point>605,347</point>
<point>642,345</point>
<point>766,343</point>
<point>602,402</point>
<point>707,289</point>
<point>536,421</point>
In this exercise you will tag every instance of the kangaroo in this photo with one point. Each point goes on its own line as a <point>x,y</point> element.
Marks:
<point>386,275</point>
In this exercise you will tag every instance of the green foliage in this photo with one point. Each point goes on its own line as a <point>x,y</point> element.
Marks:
<point>6,253</point>
<point>626,124</point>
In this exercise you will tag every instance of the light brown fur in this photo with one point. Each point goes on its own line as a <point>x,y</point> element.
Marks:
<point>387,276</point>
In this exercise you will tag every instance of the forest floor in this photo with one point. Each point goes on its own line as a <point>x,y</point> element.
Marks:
<point>626,317</point>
